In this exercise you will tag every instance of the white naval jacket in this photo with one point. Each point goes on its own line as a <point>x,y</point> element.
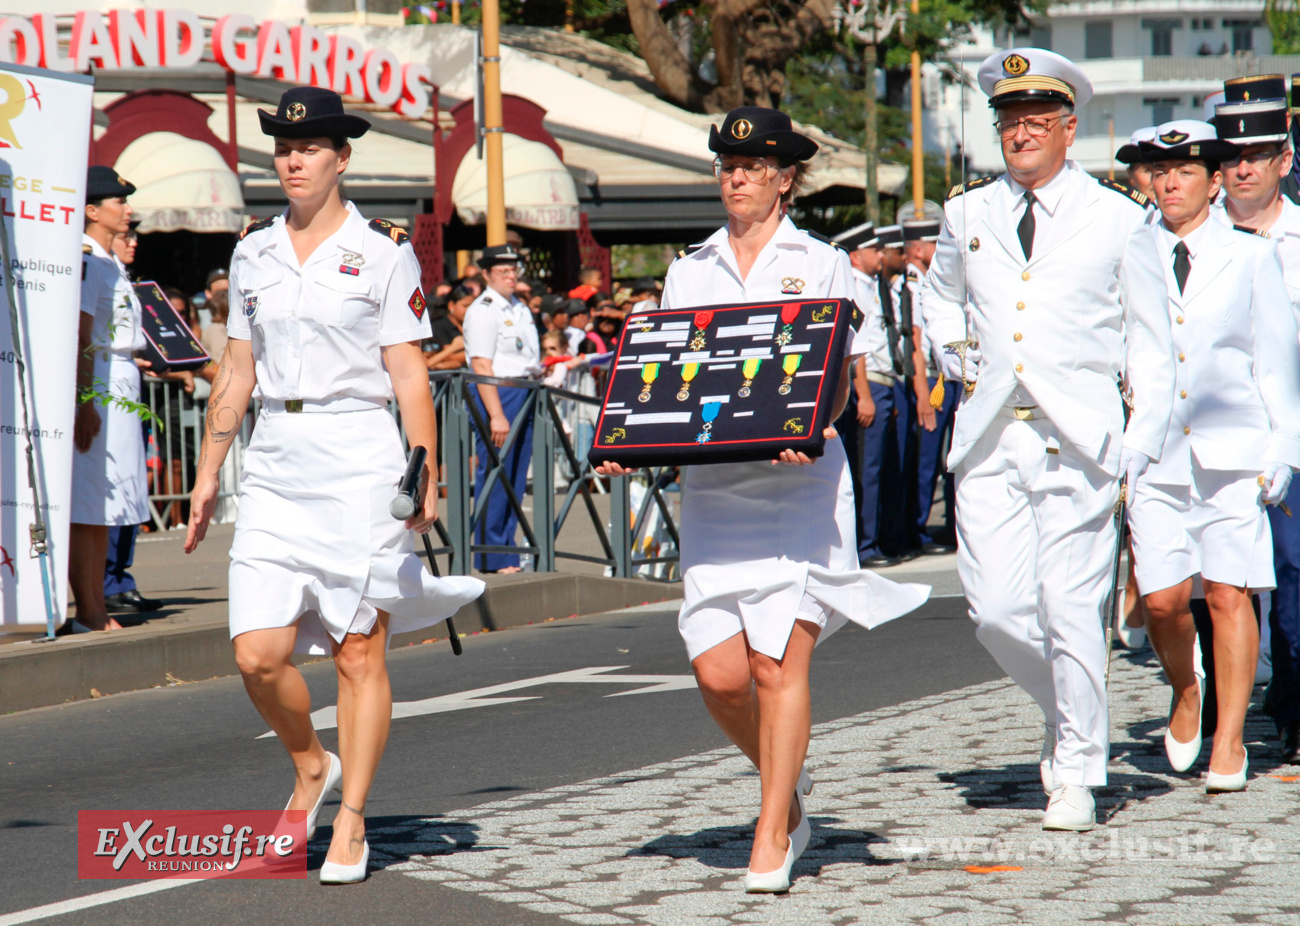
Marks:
<point>1237,403</point>
<point>1089,307</point>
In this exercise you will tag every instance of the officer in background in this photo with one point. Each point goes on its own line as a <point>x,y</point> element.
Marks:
<point>1066,296</point>
<point>501,340</point>
<point>900,322</point>
<point>877,468</point>
<point>920,236</point>
<point>1130,155</point>
<point>1253,201</point>
<point>109,481</point>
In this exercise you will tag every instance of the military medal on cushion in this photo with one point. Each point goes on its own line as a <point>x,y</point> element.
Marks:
<point>790,365</point>
<point>788,314</point>
<point>702,320</point>
<point>649,373</point>
<point>750,369</point>
<point>710,411</point>
<point>689,372</point>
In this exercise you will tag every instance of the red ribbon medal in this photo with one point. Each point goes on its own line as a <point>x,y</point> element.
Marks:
<point>789,312</point>
<point>702,321</point>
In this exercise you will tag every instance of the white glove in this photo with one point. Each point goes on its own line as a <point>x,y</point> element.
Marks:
<point>1277,479</point>
<point>1132,464</point>
<point>950,364</point>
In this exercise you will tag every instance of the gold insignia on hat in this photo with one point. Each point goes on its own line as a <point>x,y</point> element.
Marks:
<point>296,112</point>
<point>1174,138</point>
<point>1194,151</point>
<point>1245,95</point>
<point>741,128</point>
<point>1015,65</point>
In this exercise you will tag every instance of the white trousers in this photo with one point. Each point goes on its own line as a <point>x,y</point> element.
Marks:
<point>1037,546</point>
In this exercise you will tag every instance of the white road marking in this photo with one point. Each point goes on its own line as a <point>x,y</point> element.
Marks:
<point>327,717</point>
<point>93,900</point>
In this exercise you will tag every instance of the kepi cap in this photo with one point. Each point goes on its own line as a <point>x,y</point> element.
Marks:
<point>1295,89</point>
<point>1027,75</point>
<point>103,182</point>
<point>498,254</point>
<point>761,132</point>
<point>858,237</point>
<point>311,112</point>
<point>1131,153</point>
<point>1254,87</point>
<point>1187,140</point>
<point>891,236</point>
<point>921,230</point>
<point>1259,122</point>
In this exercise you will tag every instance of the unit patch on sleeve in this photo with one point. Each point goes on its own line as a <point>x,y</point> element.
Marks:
<point>416,302</point>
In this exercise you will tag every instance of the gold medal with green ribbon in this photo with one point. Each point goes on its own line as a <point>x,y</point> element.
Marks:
<point>689,372</point>
<point>649,373</point>
<point>750,369</point>
<point>789,365</point>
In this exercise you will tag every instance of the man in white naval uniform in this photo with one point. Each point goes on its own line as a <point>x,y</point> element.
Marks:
<point>878,483</point>
<point>501,340</point>
<point>1066,295</point>
<point>1253,201</point>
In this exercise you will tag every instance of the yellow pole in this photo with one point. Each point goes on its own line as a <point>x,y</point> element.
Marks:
<point>1110,124</point>
<point>918,139</point>
<point>496,184</point>
<point>455,12</point>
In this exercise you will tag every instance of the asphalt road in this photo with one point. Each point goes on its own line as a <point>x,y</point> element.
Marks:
<point>197,746</point>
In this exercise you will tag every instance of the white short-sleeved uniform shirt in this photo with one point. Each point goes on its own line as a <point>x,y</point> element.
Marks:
<point>107,295</point>
<point>317,329</point>
<point>872,332</point>
<point>501,329</point>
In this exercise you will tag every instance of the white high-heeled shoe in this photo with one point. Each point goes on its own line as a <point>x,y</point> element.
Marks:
<point>805,782</point>
<point>769,882</point>
<point>1182,756</point>
<point>338,873</point>
<point>1218,784</point>
<point>802,832</point>
<point>333,779</point>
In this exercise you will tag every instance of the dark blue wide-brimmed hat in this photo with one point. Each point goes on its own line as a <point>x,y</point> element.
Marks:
<point>311,112</point>
<point>762,132</point>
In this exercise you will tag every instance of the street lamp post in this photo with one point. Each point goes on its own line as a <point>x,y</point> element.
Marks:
<point>918,161</point>
<point>492,123</point>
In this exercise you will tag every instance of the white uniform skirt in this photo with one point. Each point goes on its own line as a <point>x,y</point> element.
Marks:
<point>764,546</point>
<point>1215,528</point>
<point>110,485</point>
<point>314,542</point>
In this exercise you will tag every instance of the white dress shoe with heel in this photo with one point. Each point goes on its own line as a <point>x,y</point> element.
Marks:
<point>766,882</point>
<point>1220,784</point>
<point>337,873</point>
<point>1182,756</point>
<point>1071,808</point>
<point>333,778</point>
<point>802,833</point>
<point>1045,759</point>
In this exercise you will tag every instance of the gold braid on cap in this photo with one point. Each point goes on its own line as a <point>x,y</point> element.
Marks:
<point>1033,82</point>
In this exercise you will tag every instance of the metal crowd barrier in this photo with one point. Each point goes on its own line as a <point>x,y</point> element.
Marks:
<point>639,538</point>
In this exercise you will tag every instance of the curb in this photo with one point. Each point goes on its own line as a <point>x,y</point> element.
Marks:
<point>76,668</point>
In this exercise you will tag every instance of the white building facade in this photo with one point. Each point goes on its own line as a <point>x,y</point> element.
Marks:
<point>1150,61</point>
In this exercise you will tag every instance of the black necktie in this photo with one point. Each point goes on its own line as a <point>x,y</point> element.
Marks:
<point>1182,264</point>
<point>1026,227</point>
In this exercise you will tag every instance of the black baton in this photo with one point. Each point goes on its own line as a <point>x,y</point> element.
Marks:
<point>407,503</point>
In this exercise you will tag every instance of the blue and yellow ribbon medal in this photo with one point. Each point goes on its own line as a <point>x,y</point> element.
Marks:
<point>649,373</point>
<point>790,365</point>
<point>710,411</point>
<point>689,372</point>
<point>750,369</point>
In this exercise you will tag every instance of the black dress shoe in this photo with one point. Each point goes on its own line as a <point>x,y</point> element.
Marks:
<point>131,601</point>
<point>937,549</point>
<point>878,562</point>
<point>1291,743</point>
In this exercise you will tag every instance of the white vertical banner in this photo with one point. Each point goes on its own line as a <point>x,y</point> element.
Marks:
<point>44,145</point>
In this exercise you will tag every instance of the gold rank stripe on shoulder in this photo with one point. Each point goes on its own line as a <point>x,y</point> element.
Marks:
<point>256,226</point>
<point>1250,231</point>
<point>389,230</point>
<point>689,250</point>
<point>1126,190</point>
<point>969,185</point>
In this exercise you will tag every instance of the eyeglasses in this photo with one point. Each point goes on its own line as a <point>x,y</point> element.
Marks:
<point>1036,126</point>
<point>755,171</point>
<point>1258,159</point>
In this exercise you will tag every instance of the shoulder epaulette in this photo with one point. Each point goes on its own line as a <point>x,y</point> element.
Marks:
<point>389,230</point>
<point>690,249</point>
<point>256,226</point>
<point>969,185</point>
<point>1126,190</point>
<point>822,238</point>
<point>1250,231</point>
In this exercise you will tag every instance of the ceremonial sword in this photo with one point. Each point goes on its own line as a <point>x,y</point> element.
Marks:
<point>1121,529</point>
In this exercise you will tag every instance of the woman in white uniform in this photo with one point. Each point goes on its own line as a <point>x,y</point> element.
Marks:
<point>769,552</point>
<point>1232,444</point>
<point>326,319</point>
<point>109,482</point>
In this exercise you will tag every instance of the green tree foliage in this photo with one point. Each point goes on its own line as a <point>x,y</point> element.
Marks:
<point>1283,17</point>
